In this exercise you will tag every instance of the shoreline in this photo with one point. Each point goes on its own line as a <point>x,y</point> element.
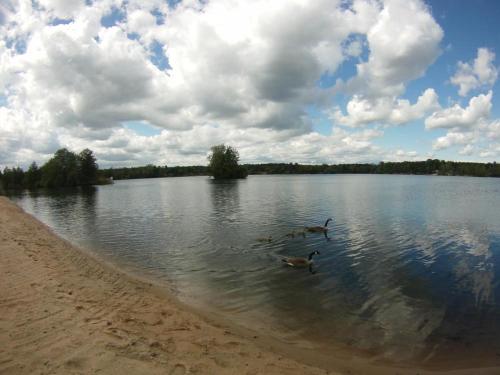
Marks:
<point>63,310</point>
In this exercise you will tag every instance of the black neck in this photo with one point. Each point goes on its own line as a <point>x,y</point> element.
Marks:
<point>327,221</point>
<point>311,255</point>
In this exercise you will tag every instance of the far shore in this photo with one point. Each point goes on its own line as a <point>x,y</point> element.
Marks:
<point>64,312</point>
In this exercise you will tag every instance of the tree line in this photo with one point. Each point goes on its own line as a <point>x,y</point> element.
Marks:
<point>152,171</point>
<point>427,167</point>
<point>64,169</point>
<point>69,169</point>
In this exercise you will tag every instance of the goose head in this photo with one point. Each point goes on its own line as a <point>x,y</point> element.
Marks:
<point>315,252</point>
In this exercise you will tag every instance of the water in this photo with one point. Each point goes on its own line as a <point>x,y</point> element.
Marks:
<point>409,271</point>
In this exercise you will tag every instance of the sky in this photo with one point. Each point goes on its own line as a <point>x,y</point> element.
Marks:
<point>324,81</point>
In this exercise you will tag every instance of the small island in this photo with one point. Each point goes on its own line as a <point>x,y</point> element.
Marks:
<point>223,163</point>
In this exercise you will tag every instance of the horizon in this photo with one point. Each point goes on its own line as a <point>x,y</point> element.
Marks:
<point>160,83</point>
<point>288,163</point>
<point>273,162</point>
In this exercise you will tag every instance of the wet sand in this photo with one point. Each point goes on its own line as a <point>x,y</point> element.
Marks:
<point>64,312</point>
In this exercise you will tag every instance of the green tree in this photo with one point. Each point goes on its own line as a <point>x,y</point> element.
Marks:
<point>223,163</point>
<point>61,170</point>
<point>12,178</point>
<point>88,167</point>
<point>33,177</point>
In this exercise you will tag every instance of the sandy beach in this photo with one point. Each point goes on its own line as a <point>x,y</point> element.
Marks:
<point>63,312</point>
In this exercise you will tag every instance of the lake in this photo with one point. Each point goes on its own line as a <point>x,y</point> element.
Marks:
<point>408,271</point>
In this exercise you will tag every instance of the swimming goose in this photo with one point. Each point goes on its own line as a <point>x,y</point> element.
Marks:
<point>300,262</point>
<point>319,229</point>
<point>294,233</point>
<point>265,239</point>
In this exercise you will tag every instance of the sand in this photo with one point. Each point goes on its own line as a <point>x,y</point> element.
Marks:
<point>64,312</point>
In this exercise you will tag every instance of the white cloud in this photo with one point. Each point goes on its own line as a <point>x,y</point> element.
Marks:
<point>240,72</point>
<point>452,139</point>
<point>403,42</point>
<point>477,111</point>
<point>467,150</point>
<point>480,73</point>
<point>247,64</point>
<point>493,130</point>
<point>491,151</point>
<point>403,155</point>
<point>362,110</point>
<point>63,8</point>
<point>20,138</point>
<point>124,147</point>
<point>469,127</point>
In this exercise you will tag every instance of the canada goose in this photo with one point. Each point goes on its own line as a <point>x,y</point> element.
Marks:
<point>265,239</point>
<point>319,229</point>
<point>300,262</point>
<point>296,233</point>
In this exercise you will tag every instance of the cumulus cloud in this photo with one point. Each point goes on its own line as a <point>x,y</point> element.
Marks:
<point>124,147</point>
<point>469,128</point>
<point>403,155</point>
<point>458,117</point>
<point>388,110</point>
<point>403,42</point>
<point>453,138</point>
<point>493,150</point>
<point>467,150</point>
<point>62,8</point>
<point>479,73</point>
<point>242,63</point>
<point>240,72</point>
<point>493,130</point>
<point>400,51</point>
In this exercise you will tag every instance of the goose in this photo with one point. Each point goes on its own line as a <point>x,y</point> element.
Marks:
<point>300,262</point>
<point>319,229</point>
<point>265,239</point>
<point>296,233</point>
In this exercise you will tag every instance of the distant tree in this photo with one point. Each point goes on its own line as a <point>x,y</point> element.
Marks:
<point>33,177</point>
<point>12,178</point>
<point>88,167</point>
<point>223,163</point>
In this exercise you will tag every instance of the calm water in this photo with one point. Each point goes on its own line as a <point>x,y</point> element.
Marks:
<point>409,271</point>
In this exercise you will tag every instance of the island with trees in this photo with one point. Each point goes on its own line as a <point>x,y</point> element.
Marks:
<point>223,163</point>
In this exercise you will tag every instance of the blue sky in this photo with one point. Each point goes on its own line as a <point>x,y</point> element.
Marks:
<point>321,82</point>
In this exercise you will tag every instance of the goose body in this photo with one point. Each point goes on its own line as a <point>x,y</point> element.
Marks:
<point>265,239</point>
<point>296,233</point>
<point>300,262</point>
<point>319,229</point>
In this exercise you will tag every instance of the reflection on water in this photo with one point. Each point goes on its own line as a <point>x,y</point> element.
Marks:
<point>408,271</point>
